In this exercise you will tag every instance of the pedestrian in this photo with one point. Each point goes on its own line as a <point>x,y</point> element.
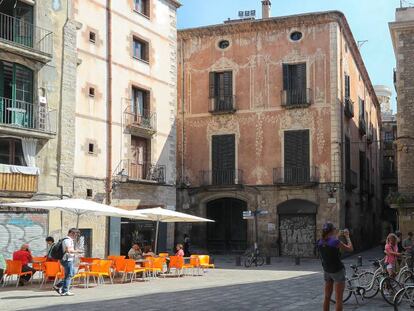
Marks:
<point>391,254</point>
<point>330,249</point>
<point>187,246</point>
<point>135,252</point>
<point>407,244</point>
<point>24,255</point>
<point>148,251</point>
<point>49,243</point>
<point>67,262</point>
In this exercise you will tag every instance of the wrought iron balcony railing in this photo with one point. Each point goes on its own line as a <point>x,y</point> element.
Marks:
<point>295,175</point>
<point>144,120</point>
<point>20,114</point>
<point>296,98</point>
<point>223,104</point>
<point>362,126</point>
<point>129,170</point>
<point>25,35</point>
<point>349,108</point>
<point>221,177</point>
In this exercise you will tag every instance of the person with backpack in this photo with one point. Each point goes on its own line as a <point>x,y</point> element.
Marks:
<point>64,250</point>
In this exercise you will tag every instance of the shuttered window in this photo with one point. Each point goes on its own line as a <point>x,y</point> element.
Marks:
<point>361,108</point>
<point>347,86</point>
<point>294,84</point>
<point>296,155</point>
<point>221,90</point>
<point>223,159</point>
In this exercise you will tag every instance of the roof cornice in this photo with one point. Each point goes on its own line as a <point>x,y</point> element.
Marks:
<point>176,3</point>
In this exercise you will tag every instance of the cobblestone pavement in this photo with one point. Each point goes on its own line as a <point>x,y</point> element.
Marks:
<point>280,286</point>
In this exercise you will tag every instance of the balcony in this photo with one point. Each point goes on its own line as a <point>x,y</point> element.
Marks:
<point>140,123</point>
<point>351,181</point>
<point>25,39</point>
<point>349,108</point>
<point>223,104</point>
<point>26,119</point>
<point>293,176</point>
<point>133,171</point>
<point>12,179</point>
<point>221,177</point>
<point>362,126</point>
<point>296,98</point>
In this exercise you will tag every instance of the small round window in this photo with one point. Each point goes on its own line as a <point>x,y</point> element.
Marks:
<point>224,44</point>
<point>296,36</point>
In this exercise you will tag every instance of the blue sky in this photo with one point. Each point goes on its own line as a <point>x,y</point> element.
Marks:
<point>368,20</point>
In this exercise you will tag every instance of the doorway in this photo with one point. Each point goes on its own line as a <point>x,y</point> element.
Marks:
<point>139,158</point>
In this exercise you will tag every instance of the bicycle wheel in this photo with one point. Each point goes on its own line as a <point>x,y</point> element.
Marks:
<point>407,278</point>
<point>404,299</point>
<point>260,260</point>
<point>369,283</point>
<point>389,287</point>
<point>248,262</point>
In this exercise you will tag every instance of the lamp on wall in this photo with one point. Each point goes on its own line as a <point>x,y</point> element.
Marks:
<point>331,189</point>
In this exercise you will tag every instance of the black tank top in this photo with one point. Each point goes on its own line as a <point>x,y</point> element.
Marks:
<point>330,255</point>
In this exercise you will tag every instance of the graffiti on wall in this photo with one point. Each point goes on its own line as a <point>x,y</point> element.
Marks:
<point>19,228</point>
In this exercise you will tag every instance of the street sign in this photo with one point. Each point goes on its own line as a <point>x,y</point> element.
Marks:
<point>262,212</point>
<point>247,214</point>
<point>331,200</point>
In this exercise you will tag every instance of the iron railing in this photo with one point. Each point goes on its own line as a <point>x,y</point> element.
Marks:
<point>221,177</point>
<point>351,180</point>
<point>146,120</point>
<point>129,170</point>
<point>294,98</point>
<point>26,35</point>
<point>223,104</point>
<point>349,108</point>
<point>25,115</point>
<point>295,175</point>
<point>362,126</point>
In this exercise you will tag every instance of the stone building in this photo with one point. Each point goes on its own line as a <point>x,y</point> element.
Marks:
<point>279,115</point>
<point>125,114</point>
<point>389,156</point>
<point>37,93</point>
<point>402,34</point>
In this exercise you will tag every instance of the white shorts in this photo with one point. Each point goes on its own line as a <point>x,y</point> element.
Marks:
<point>390,266</point>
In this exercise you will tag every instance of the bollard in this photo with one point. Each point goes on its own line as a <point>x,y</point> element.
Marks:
<point>297,261</point>
<point>268,260</point>
<point>238,261</point>
<point>359,261</point>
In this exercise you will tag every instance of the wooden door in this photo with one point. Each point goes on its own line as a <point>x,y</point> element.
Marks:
<point>139,149</point>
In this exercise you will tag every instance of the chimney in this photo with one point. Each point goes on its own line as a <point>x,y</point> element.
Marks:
<point>266,4</point>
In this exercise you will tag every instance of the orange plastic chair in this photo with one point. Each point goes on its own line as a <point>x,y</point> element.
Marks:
<point>93,270</point>
<point>100,269</point>
<point>131,270</point>
<point>85,260</point>
<point>205,262</point>
<point>52,270</point>
<point>14,267</point>
<point>194,264</point>
<point>38,263</point>
<point>153,266</point>
<point>177,263</point>
<point>163,254</point>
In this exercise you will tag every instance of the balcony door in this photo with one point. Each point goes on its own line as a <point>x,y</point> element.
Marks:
<point>223,160</point>
<point>140,106</point>
<point>294,83</point>
<point>221,90</point>
<point>296,155</point>
<point>16,94</point>
<point>139,153</point>
<point>16,22</point>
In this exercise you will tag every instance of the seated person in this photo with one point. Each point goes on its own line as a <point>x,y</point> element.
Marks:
<point>148,251</point>
<point>25,256</point>
<point>179,250</point>
<point>135,252</point>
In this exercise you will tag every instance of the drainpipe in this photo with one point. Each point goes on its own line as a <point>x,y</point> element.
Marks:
<point>109,105</point>
<point>182,111</point>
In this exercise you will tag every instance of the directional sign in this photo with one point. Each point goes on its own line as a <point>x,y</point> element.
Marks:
<point>247,214</point>
<point>262,212</point>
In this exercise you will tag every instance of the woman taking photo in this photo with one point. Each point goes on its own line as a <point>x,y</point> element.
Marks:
<point>330,248</point>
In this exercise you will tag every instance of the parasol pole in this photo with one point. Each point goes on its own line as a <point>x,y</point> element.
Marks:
<point>156,237</point>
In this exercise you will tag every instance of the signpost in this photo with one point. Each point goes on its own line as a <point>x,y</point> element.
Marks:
<point>254,215</point>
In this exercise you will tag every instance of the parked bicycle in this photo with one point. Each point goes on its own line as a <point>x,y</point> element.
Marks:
<point>253,257</point>
<point>404,299</point>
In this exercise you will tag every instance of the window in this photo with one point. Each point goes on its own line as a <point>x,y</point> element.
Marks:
<point>223,159</point>
<point>92,36</point>
<point>11,152</point>
<point>92,92</point>
<point>142,6</point>
<point>347,87</point>
<point>361,109</point>
<point>91,148</point>
<point>141,49</point>
<point>221,90</point>
<point>140,103</point>
<point>224,44</point>
<point>294,85</point>
<point>296,36</point>
<point>389,136</point>
<point>296,157</point>
<point>89,193</point>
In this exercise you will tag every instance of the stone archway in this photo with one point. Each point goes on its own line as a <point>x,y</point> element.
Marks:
<point>229,231</point>
<point>297,228</point>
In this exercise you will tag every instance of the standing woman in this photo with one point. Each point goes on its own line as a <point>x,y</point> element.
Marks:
<point>334,270</point>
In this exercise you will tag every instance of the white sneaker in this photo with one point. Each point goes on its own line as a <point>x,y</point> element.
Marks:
<point>67,294</point>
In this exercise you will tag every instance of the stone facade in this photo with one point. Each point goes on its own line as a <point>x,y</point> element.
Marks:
<point>402,33</point>
<point>255,53</point>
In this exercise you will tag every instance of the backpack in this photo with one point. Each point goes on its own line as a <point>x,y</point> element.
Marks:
<point>56,251</point>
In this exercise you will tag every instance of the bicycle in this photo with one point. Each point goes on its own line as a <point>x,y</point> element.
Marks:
<point>404,299</point>
<point>253,257</point>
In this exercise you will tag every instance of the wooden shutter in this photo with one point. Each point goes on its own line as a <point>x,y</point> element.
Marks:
<point>347,87</point>
<point>286,77</point>
<point>347,153</point>
<point>228,83</point>
<point>300,82</point>
<point>212,84</point>
<point>296,146</point>
<point>223,160</point>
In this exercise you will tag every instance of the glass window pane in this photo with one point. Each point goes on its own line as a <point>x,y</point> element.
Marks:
<point>4,151</point>
<point>18,154</point>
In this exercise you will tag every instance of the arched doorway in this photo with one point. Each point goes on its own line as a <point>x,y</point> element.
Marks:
<point>297,228</point>
<point>229,231</point>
